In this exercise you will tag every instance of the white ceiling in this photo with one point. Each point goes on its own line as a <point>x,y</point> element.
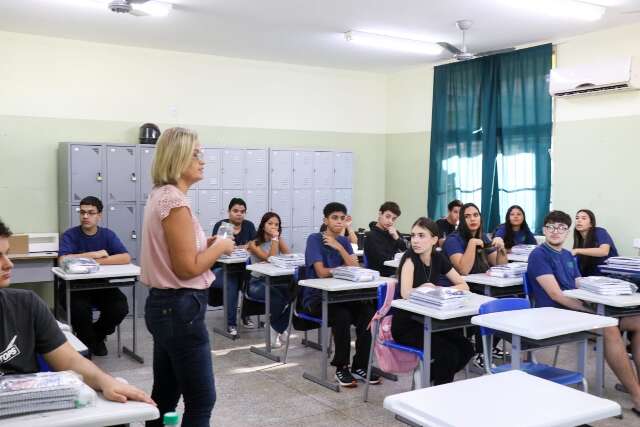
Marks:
<point>305,31</point>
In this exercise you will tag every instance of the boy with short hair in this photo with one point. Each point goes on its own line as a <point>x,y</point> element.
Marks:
<point>324,252</point>
<point>383,241</point>
<point>449,223</point>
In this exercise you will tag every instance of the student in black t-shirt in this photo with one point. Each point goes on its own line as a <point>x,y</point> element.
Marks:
<point>421,266</point>
<point>27,329</point>
<point>384,241</point>
<point>449,223</point>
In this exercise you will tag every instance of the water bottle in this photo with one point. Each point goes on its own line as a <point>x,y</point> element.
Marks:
<point>225,230</point>
<point>171,419</point>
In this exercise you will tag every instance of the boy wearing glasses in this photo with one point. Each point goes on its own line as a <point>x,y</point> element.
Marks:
<point>552,269</point>
<point>90,241</point>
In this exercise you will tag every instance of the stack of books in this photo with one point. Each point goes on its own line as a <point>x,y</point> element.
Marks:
<point>287,260</point>
<point>522,249</point>
<point>511,270</point>
<point>355,274</point>
<point>236,254</point>
<point>604,285</point>
<point>439,298</point>
<point>627,263</point>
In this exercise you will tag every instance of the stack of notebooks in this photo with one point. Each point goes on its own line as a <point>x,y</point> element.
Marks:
<point>287,260</point>
<point>628,263</point>
<point>236,254</point>
<point>604,285</point>
<point>511,270</point>
<point>43,391</point>
<point>355,274</point>
<point>439,298</point>
<point>522,249</point>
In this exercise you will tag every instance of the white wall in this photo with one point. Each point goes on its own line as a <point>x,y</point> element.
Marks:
<point>409,95</point>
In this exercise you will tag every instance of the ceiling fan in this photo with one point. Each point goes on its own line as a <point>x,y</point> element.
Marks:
<point>135,7</point>
<point>462,54</point>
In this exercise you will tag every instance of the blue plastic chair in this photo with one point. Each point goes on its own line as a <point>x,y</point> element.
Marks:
<point>541,370</point>
<point>43,366</point>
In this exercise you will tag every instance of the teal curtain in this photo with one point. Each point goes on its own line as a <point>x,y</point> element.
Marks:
<point>491,134</point>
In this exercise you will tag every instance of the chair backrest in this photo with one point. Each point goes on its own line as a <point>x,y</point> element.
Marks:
<point>365,261</point>
<point>502,304</point>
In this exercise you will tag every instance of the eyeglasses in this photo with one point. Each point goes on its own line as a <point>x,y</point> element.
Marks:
<point>198,155</point>
<point>88,213</point>
<point>561,228</point>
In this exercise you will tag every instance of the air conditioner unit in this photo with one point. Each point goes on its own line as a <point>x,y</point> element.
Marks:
<point>605,76</point>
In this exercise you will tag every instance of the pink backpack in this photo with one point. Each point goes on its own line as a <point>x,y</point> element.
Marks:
<point>390,359</point>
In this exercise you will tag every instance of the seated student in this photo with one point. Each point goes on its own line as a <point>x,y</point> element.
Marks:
<point>326,251</point>
<point>348,231</point>
<point>592,245</point>
<point>269,242</point>
<point>514,230</point>
<point>243,232</point>
<point>449,223</point>
<point>552,269</point>
<point>384,241</point>
<point>28,329</point>
<point>421,266</point>
<point>88,240</point>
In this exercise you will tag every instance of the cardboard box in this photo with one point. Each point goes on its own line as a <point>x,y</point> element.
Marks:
<point>19,244</point>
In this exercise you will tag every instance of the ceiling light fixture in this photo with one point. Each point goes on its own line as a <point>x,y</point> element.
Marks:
<point>575,9</point>
<point>392,43</point>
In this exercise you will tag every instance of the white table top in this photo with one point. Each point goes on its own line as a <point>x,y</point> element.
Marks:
<point>105,272</point>
<point>395,263</point>
<point>465,403</point>
<point>33,255</point>
<point>517,257</point>
<point>231,260</point>
<point>334,285</point>
<point>469,309</point>
<point>609,300</point>
<point>544,322</point>
<point>75,342</point>
<point>269,269</point>
<point>497,282</point>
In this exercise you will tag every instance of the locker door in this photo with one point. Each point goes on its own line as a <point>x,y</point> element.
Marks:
<point>233,169</point>
<point>211,169</point>
<point>299,236</point>
<point>286,236</point>
<point>74,216</point>
<point>121,174</point>
<point>343,177</point>
<point>302,212</point>
<point>256,166</point>
<point>122,219</point>
<point>321,198</point>
<point>227,195</point>
<point>257,205</point>
<point>281,204</point>
<point>302,169</point>
<point>87,176</point>
<point>323,169</point>
<point>344,196</point>
<point>281,165</point>
<point>192,197</point>
<point>144,173</point>
<point>209,206</point>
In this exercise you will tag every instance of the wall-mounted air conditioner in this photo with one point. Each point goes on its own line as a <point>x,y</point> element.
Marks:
<point>604,76</point>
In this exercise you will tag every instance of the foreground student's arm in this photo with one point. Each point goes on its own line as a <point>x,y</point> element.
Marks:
<point>551,287</point>
<point>498,257</point>
<point>600,251</point>
<point>457,280</point>
<point>66,358</point>
<point>261,254</point>
<point>348,259</point>
<point>117,259</point>
<point>463,262</point>
<point>406,278</point>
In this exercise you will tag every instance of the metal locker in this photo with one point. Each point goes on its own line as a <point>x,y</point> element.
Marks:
<point>122,219</point>
<point>87,175</point>
<point>192,198</point>
<point>281,204</point>
<point>145,157</point>
<point>286,236</point>
<point>299,236</point>
<point>302,208</point>
<point>74,216</point>
<point>209,207</point>
<point>121,174</point>
<point>302,169</point>
<point>256,167</point>
<point>323,169</point>
<point>227,195</point>
<point>233,169</point>
<point>343,195</point>
<point>281,167</point>
<point>321,198</point>
<point>343,165</point>
<point>212,167</point>
<point>257,205</point>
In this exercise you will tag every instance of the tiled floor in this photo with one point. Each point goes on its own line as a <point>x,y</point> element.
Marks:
<point>253,391</point>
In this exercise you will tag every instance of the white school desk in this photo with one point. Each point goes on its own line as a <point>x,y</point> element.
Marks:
<point>517,257</point>
<point>236,265</point>
<point>606,305</point>
<point>335,291</point>
<point>108,276</point>
<point>519,399</point>
<point>496,286</point>
<point>33,267</point>
<point>395,263</point>
<point>269,271</point>
<point>539,324</point>
<point>435,320</point>
<point>624,273</point>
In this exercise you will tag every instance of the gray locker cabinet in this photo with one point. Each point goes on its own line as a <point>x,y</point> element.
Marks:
<point>227,195</point>
<point>281,204</point>
<point>344,196</point>
<point>303,169</point>
<point>299,236</point>
<point>122,175</point>
<point>281,165</point>
<point>209,208</point>
<point>257,205</point>
<point>87,171</point>
<point>321,198</point>
<point>122,219</point>
<point>343,165</point>
<point>233,169</point>
<point>256,169</point>
<point>212,169</point>
<point>145,156</point>
<point>192,198</point>
<point>286,236</point>
<point>323,169</point>
<point>74,217</point>
<point>302,209</point>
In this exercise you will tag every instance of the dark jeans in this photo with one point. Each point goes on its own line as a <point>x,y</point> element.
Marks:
<point>279,301</point>
<point>233,286</point>
<point>341,316</point>
<point>181,354</point>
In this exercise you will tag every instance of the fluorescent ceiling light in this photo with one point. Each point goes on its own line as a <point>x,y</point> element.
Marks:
<point>392,43</point>
<point>156,8</point>
<point>574,9</point>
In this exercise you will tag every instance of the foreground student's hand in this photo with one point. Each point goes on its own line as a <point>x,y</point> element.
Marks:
<point>226,245</point>
<point>331,241</point>
<point>394,233</point>
<point>348,221</point>
<point>428,285</point>
<point>211,240</point>
<point>100,254</point>
<point>118,391</point>
<point>476,242</point>
<point>498,243</point>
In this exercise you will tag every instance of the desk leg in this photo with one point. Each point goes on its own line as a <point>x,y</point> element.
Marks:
<point>125,350</point>
<point>323,380</point>
<point>426,349</point>
<point>515,351</point>
<point>267,324</point>
<point>67,293</point>
<point>225,309</point>
<point>599,385</point>
<point>487,290</point>
<point>582,357</point>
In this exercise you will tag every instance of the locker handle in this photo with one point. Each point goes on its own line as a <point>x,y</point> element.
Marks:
<point>133,177</point>
<point>134,235</point>
<point>99,177</point>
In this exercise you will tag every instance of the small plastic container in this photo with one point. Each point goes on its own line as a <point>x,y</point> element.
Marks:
<point>171,419</point>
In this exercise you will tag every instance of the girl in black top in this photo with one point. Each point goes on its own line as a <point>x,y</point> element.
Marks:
<point>421,266</point>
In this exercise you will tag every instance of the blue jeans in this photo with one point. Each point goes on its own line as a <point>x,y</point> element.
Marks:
<point>233,282</point>
<point>181,354</point>
<point>279,302</point>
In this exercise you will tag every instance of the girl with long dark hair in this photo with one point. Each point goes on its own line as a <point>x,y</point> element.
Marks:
<point>592,245</point>
<point>514,230</point>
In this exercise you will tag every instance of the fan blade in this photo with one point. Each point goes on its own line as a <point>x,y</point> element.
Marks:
<point>496,52</point>
<point>138,12</point>
<point>151,8</point>
<point>451,48</point>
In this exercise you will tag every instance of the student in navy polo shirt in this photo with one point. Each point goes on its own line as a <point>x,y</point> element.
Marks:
<point>514,230</point>
<point>551,270</point>
<point>593,245</point>
<point>88,240</point>
<point>325,251</point>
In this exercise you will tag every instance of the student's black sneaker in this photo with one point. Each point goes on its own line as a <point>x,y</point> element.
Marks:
<point>247,323</point>
<point>478,361</point>
<point>99,349</point>
<point>360,374</point>
<point>498,353</point>
<point>344,377</point>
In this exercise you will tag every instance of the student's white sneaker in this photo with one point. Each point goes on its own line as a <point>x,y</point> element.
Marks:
<point>275,339</point>
<point>417,379</point>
